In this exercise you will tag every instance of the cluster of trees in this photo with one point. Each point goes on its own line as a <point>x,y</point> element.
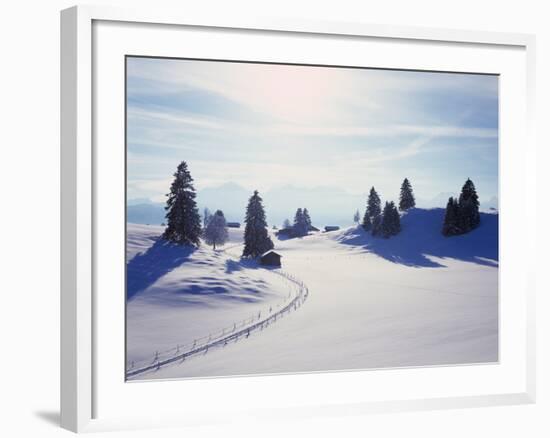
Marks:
<point>182,215</point>
<point>386,222</point>
<point>302,222</point>
<point>184,222</point>
<point>462,214</point>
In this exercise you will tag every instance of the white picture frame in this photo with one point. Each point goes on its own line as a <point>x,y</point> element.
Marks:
<point>82,369</point>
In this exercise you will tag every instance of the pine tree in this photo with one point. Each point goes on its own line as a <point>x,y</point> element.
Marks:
<point>468,204</point>
<point>391,222</point>
<point>377,225</point>
<point>184,223</point>
<point>287,224</point>
<point>386,221</point>
<point>396,220</point>
<point>300,223</point>
<point>373,204</point>
<point>215,232</point>
<point>256,238</point>
<point>307,219</point>
<point>406,197</point>
<point>367,224</point>
<point>450,224</point>
<point>356,217</point>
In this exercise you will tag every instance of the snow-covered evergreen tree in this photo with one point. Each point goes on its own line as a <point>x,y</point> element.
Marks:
<point>406,197</point>
<point>468,205</point>
<point>373,204</point>
<point>256,237</point>
<point>300,226</point>
<point>386,227</point>
<point>450,223</point>
<point>182,214</point>
<point>215,232</point>
<point>298,217</point>
<point>287,224</point>
<point>367,223</point>
<point>307,219</point>
<point>356,217</point>
<point>391,222</point>
<point>377,225</point>
<point>396,220</point>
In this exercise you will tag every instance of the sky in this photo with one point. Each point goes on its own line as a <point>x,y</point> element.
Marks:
<point>266,126</point>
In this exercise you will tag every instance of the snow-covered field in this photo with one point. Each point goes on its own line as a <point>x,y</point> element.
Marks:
<point>415,299</point>
<point>178,296</point>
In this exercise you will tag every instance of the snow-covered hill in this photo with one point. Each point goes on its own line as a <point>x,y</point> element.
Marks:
<point>421,244</point>
<point>415,299</point>
<point>176,294</point>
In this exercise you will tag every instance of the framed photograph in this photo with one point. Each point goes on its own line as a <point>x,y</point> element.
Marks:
<point>285,219</point>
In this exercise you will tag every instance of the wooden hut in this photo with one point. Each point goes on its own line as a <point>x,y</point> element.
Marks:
<point>270,258</point>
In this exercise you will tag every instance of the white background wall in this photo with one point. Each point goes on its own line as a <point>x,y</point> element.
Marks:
<point>29,218</point>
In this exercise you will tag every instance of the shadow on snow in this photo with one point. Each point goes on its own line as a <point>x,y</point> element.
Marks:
<point>146,268</point>
<point>163,257</point>
<point>421,237</point>
<point>246,263</point>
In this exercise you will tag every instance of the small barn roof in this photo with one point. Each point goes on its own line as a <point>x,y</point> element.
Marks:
<point>270,251</point>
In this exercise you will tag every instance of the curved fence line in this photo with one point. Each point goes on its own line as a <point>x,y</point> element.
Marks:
<point>213,335</point>
<point>222,337</point>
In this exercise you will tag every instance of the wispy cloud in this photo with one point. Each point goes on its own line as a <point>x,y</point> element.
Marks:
<point>263,125</point>
<point>378,131</point>
<point>136,115</point>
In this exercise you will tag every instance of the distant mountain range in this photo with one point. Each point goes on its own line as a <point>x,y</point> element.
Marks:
<point>327,205</point>
<point>440,201</point>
